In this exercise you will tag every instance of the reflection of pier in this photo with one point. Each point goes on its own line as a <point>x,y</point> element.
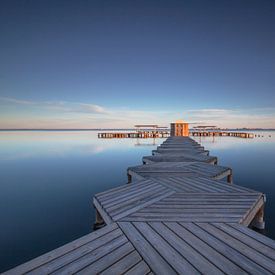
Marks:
<point>152,143</point>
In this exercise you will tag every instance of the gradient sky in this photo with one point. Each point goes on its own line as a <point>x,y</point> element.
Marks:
<point>89,64</point>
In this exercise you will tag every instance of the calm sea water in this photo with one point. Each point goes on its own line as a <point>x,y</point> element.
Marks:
<point>48,179</point>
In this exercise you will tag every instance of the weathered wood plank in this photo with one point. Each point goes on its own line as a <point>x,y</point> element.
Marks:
<point>241,247</point>
<point>140,206</point>
<point>254,244</point>
<point>74,245</point>
<point>124,264</point>
<point>87,253</point>
<point>171,256</point>
<point>226,250</point>
<point>107,261</point>
<point>179,244</point>
<point>157,264</point>
<point>258,237</point>
<point>139,269</point>
<point>213,256</point>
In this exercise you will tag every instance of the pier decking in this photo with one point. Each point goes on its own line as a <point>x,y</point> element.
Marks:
<point>175,217</point>
<point>221,134</point>
<point>178,169</point>
<point>165,134</point>
<point>179,158</point>
<point>140,134</point>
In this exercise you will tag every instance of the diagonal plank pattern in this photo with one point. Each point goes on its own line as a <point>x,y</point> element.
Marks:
<point>209,248</point>
<point>103,251</point>
<point>179,199</point>
<point>178,169</point>
<point>176,217</point>
<point>179,158</point>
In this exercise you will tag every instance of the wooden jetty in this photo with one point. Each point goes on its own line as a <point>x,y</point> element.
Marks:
<point>221,134</point>
<point>142,134</point>
<point>178,169</point>
<point>179,158</point>
<point>180,219</point>
<point>165,134</point>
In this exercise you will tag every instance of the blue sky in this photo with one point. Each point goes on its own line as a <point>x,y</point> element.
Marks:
<point>89,64</point>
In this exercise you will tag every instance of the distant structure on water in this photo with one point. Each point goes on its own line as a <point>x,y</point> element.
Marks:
<point>179,128</point>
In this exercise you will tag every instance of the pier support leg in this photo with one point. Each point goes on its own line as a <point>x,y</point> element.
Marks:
<point>258,221</point>
<point>99,222</point>
<point>230,178</point>
<point>129,178</point>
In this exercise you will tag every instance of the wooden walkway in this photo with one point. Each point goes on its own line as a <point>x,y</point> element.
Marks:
<point>179,199</point>
<point>178,220</point>
<point>179,158</point>
<point>178,169</point>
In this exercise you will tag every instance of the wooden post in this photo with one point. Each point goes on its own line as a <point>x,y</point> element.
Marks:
<point>258,221</point>
<point>230,177</point>
<point>99,222</point>
<point>129,178</point>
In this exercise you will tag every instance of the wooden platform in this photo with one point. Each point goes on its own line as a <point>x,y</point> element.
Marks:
<point>137,134</point>
<point>160,248</point>
<point>179,158</point>
<point>106,251</point>
<point>178,145</point>
<point>179,199</point>
<point>180,151</point>
<point>206,248</point>
<point>178,169</point>
<point>221,134</point>
<point>176,220</point>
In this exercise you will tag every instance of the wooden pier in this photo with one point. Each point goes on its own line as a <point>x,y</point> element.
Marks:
<point>141,134</point>
<point>176,216</point>
<point>221,134</point>
<point>165,134</point>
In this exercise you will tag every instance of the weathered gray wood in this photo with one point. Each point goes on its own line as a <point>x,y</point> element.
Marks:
<point>138,203</point>
<point>188,252</point>
<point>108,260</point>
<point>123,264</point>
<point>157,264</point>
<point>127,193</point>
<point>142,194</point>
<point>252,254</point>
<point>136,208</point>
<point>226,250</point>
<point>139,269</point>
<point>251,213</point>
<point>179,263</point>
<point>205,249</point>
<point>118,189</point>
<point>74,245</point>
<point>258,237</point>
<point>169,169</point>
<point>122,189</point>
<point>256,245</point>
<point>99,247</point>
<point>179,219</point>
<point>103,213</point>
